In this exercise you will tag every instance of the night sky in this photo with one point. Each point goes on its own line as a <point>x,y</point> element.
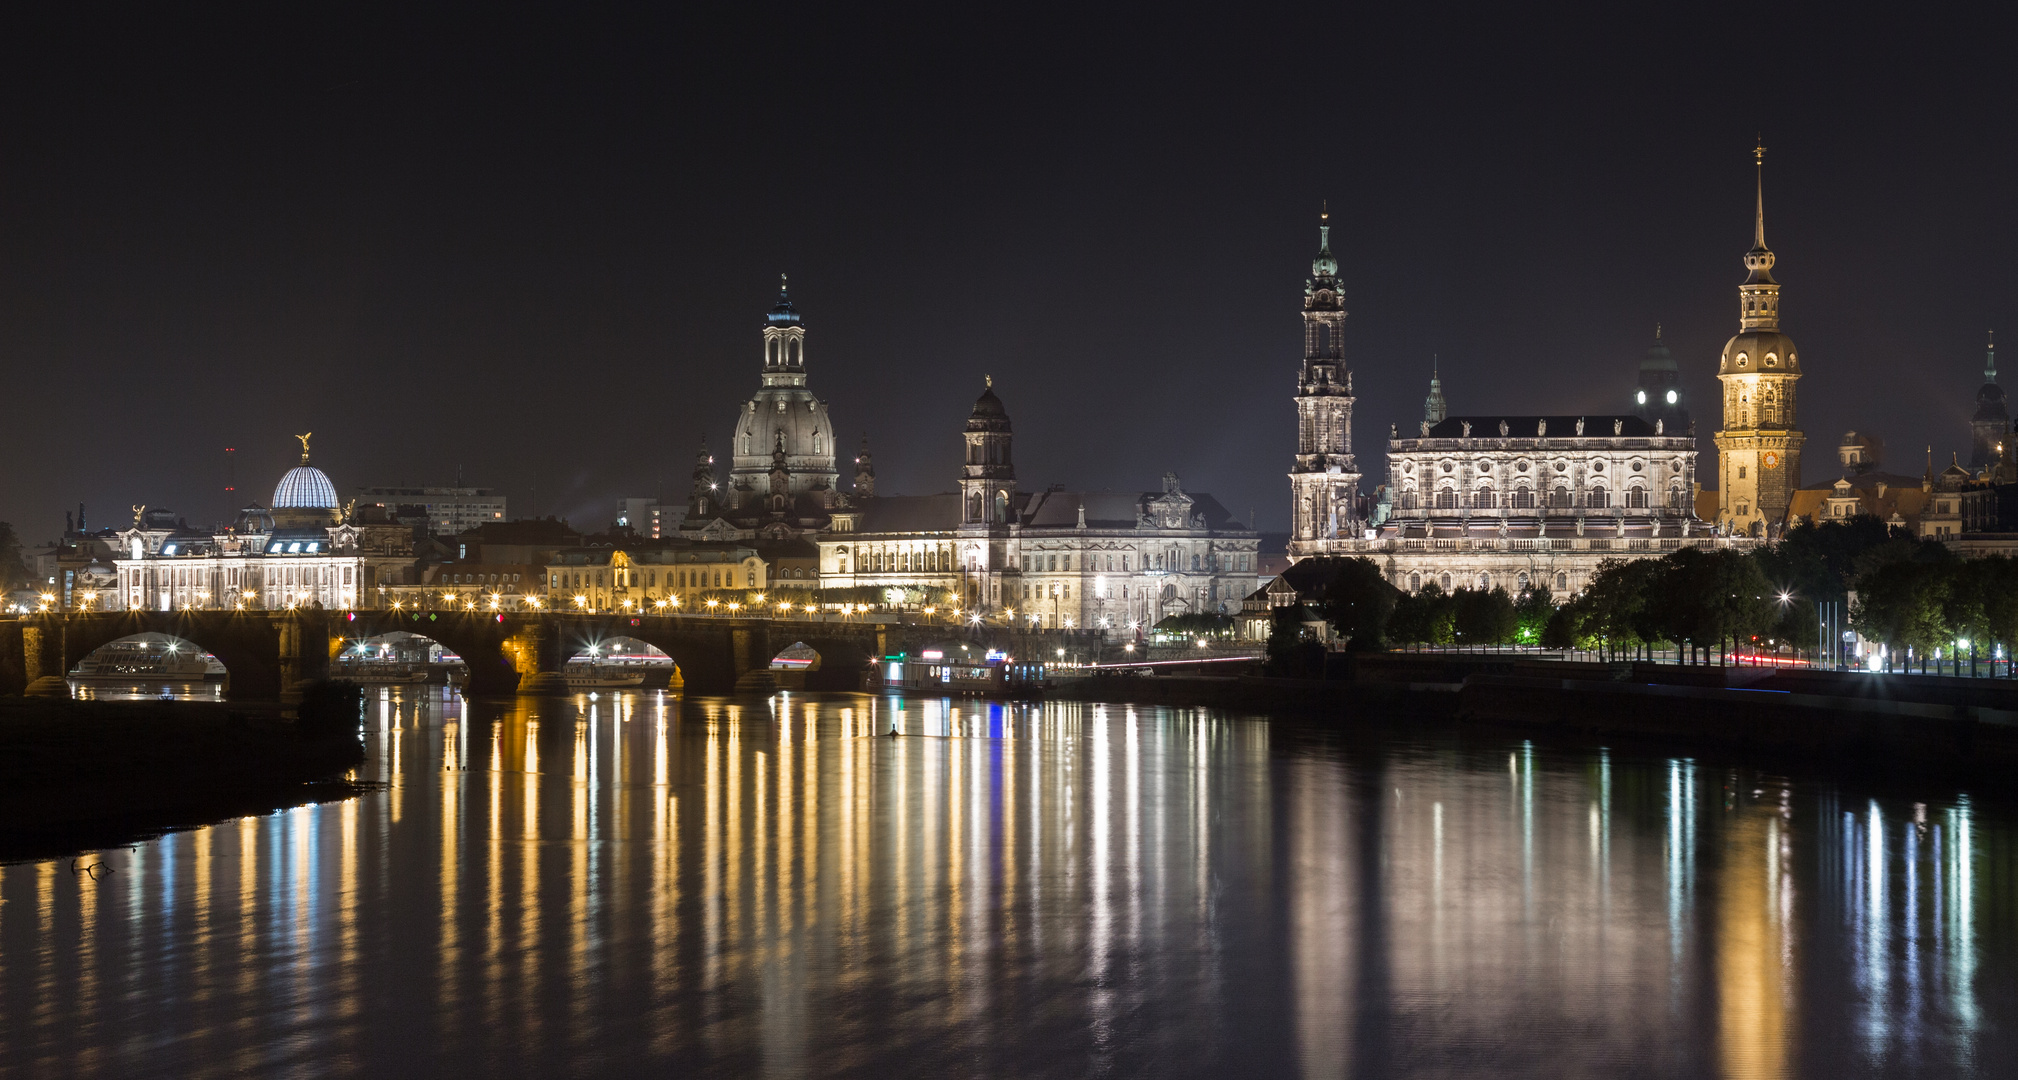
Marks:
<point>537,246</point>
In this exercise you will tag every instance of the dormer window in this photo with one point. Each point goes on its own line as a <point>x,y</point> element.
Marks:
<point>1743,360</point>
<point>1772,360</point>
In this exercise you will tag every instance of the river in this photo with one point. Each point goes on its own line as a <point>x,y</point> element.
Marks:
<point>634,884</point>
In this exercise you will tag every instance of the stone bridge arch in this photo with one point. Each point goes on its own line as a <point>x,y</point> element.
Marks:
<point>496,650</point>
<point>269,655</point>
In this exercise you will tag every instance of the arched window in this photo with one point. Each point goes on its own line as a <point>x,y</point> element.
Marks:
<point>1445,582</point>
<point>1562,582</point>
<point>1636,497</point>
<point>1484,581</point>
<point>816,442</point>
<point>1524,498</point>
<point>1560,498</point>
<point>1415,583</point>
<point>1521,581</point>
<point>1600,498</point>
<point>1675,496</point>
<point>1446,499</point>
<point>1482,499</point>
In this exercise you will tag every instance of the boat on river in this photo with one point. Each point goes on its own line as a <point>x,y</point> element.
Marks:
<point>370,674</point>
<point>602,677</point>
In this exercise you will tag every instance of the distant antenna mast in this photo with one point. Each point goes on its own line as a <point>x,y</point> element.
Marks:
<point>230,479</point>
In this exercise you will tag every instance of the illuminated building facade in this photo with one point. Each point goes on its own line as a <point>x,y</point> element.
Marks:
<point>1068,559</point>
<point>1521,502</point>
<point>303,551</point>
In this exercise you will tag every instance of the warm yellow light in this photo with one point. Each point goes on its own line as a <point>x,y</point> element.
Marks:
<point>395,605</point>
<point>760,598</point>
<point>581,601</point>
<point>734,606</point>
<point>712,602</point>
<point>931,611</point>
<point>495,600</point>
<point>248,594</point>
<point>662,603</point>
<point>784,605</point>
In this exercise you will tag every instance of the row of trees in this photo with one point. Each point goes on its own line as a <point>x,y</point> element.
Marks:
<point>1910,594</point>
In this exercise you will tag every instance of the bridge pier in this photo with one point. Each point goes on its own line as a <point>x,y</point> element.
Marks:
<point>536,654</point>
<point>750,655</point>
<point>44,660</point>
<point>304,653</point>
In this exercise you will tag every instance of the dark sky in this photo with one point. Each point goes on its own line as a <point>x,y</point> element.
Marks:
<point>537,245</point>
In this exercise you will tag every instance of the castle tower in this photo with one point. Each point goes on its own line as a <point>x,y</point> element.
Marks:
<point>703,502</point>
<point>865,471</point>
<point>1433,409</point>
<point>1991,426</point>
<point>782,412</point>
<point>1659,396</point>
<point>988,478</point>
<point>1324,485</point>
<point>1759,448</point>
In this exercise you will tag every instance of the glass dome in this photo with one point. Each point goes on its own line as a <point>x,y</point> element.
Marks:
<point>304,488</point>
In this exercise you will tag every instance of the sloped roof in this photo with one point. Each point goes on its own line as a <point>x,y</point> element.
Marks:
<point>910,513</point>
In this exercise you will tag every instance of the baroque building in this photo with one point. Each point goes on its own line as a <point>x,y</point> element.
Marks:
<point>1101,561</point>
<point>1759,448</point>
<point>1326,513</point>
<point>303,551</point>
<point>1533,502</point>
<point>781,483</point>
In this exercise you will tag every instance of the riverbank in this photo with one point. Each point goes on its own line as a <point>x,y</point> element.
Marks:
<point>1940,722</point>
<point>77,776</point>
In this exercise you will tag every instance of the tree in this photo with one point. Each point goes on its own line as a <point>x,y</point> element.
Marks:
<point>1485,617</point>
<point>1901,603</point>
<point>1357,601</point>
<point>13,573</point>
<point>1532,613</point>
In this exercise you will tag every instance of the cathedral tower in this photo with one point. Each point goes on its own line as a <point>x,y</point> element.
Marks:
<point>1759,448</point>
<point>1433,408</point>
<point>988,479</point>
<point>1324,485</point>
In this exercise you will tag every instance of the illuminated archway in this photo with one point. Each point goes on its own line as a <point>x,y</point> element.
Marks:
<point>149,665</point>
<point>622,663</point>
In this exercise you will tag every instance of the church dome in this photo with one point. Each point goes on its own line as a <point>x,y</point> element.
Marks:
<point>988,406</point>
<point>790,417</point>
<point>305,487</point>
<point>1756,351</point>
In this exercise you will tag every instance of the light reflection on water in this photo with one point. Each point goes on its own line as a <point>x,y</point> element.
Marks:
<point>621,884</point>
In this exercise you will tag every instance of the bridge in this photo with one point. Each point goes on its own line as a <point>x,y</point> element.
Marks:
<point>271,655</point>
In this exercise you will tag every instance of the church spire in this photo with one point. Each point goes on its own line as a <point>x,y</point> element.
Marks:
<point>1990,360</point>
<point>1433,410</point>
<point>1759,222</point>
<point>1324,267</point>
<point>1759,296</point>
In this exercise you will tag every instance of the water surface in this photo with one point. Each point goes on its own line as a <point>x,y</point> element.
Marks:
<point>632,885</point>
